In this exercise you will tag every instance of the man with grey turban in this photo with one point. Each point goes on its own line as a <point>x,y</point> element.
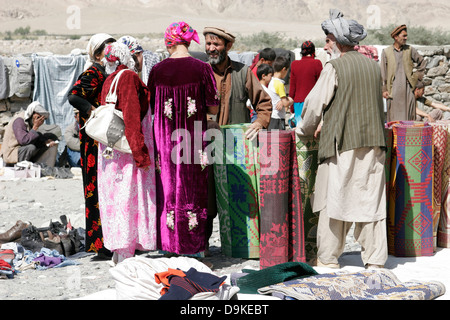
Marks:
<point>346,108</point>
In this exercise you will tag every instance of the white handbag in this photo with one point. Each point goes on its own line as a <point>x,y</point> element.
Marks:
<point>106,124</point>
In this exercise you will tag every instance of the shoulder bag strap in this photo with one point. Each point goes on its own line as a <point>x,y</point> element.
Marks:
<point>112,96</point>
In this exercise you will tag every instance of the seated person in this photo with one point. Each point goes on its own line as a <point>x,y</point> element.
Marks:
<point>427,110</point>
<point>72,138</point>
<point>23,142</point>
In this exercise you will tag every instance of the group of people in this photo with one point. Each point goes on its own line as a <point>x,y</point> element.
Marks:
<point>145,200</point>
<point>150,200</point>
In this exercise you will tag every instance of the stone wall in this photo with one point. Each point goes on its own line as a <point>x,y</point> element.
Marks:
<point>437,76</point>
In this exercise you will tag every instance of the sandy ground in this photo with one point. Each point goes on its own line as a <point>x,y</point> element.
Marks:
<point>42,200</point>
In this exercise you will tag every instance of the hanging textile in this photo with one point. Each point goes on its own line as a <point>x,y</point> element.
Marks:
<point>443,232</point>
<point>237,187</point>
<point>410,217</point>
<point>281,236</point>
<point>307,149</point>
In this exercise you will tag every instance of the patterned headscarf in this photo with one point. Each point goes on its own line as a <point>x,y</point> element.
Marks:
<point>180,33</point>
<point>308,48</point>
<point>116,54</point>
<point>132,44</point>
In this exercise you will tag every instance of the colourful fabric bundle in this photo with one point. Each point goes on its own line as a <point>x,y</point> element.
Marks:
<point>237,193</point>
<point>307,157</point>
<point>281,237</point>
<point>443,232</point>
<point>363,285</point>
<point>410,217</point>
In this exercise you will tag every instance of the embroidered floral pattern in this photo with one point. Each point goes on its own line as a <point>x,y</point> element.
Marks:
<point>193,222</point>
<point>170,221</point>
<point>192,108</point>
<point>168,108</point>
<point>204,162</point>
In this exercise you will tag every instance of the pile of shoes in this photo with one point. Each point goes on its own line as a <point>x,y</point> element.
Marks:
<point>15,233</point>
<point>59,236</point>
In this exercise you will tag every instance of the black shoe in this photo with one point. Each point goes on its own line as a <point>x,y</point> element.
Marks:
<point>31,240</point>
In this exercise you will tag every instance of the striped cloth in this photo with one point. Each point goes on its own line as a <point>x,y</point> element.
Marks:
<point>281,236</point>
<point>236,174</point>
<point>410,216</point>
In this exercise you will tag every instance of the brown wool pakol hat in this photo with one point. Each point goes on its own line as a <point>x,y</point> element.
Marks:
<point>220,32</point>
<point>398,30</point>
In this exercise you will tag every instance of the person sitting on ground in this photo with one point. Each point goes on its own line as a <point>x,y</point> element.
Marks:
<point>23,142</point>
<point>278,118</point>
<point>427,110</point>
<point>72,138</point>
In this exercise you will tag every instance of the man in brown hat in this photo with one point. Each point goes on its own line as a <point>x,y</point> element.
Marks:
<point>399,79</point>
<point>236,84</point>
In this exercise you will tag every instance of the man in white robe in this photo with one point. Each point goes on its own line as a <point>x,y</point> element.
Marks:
<point>350,186</point>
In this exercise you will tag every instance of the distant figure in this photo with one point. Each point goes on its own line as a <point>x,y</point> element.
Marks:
<point>427,110</point>
<point>72,138</point>
<point>23,142</point>
<point>399,78</point>
<point>304,75</point>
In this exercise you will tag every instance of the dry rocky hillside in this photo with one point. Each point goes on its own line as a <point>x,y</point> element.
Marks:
<point>293,17</point>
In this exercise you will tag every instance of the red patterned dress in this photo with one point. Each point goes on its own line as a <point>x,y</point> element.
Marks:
<point>89,88</point>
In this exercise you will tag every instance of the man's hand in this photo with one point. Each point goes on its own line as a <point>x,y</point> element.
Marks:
<point>318,130</point>
<point>39,121</point>
<point>386,94</point>
<point>253,131</point>
<point>279,106</point>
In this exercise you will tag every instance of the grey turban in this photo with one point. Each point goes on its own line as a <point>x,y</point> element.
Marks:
<point>347,32</point>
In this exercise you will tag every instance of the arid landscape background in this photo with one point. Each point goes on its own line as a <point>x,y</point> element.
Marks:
<point>293,18</point>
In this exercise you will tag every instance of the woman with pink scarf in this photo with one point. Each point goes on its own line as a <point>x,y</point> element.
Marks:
<point>182,91</point>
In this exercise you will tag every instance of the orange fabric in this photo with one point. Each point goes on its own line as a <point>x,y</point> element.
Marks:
<point>163,277</point>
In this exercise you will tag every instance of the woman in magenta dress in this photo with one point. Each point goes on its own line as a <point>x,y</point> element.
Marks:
<point>182,91</point>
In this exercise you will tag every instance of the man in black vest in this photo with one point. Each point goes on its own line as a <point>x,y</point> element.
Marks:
<point>350,183</point>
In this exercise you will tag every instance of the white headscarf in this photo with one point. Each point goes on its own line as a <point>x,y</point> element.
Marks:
<point>37,107</point>
<point>116,54</point>
<point>94,43</point>
<point>346,32</point>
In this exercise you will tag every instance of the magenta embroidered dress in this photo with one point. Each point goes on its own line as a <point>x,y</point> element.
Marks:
<point>181,89</point>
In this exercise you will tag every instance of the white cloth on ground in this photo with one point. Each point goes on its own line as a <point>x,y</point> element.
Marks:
<point>135,278</point>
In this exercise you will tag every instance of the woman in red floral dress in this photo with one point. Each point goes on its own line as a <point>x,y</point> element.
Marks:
<point>85,96</point>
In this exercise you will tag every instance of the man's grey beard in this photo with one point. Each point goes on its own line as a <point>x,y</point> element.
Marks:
<point>220,58</point>
<point>336,53</point>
